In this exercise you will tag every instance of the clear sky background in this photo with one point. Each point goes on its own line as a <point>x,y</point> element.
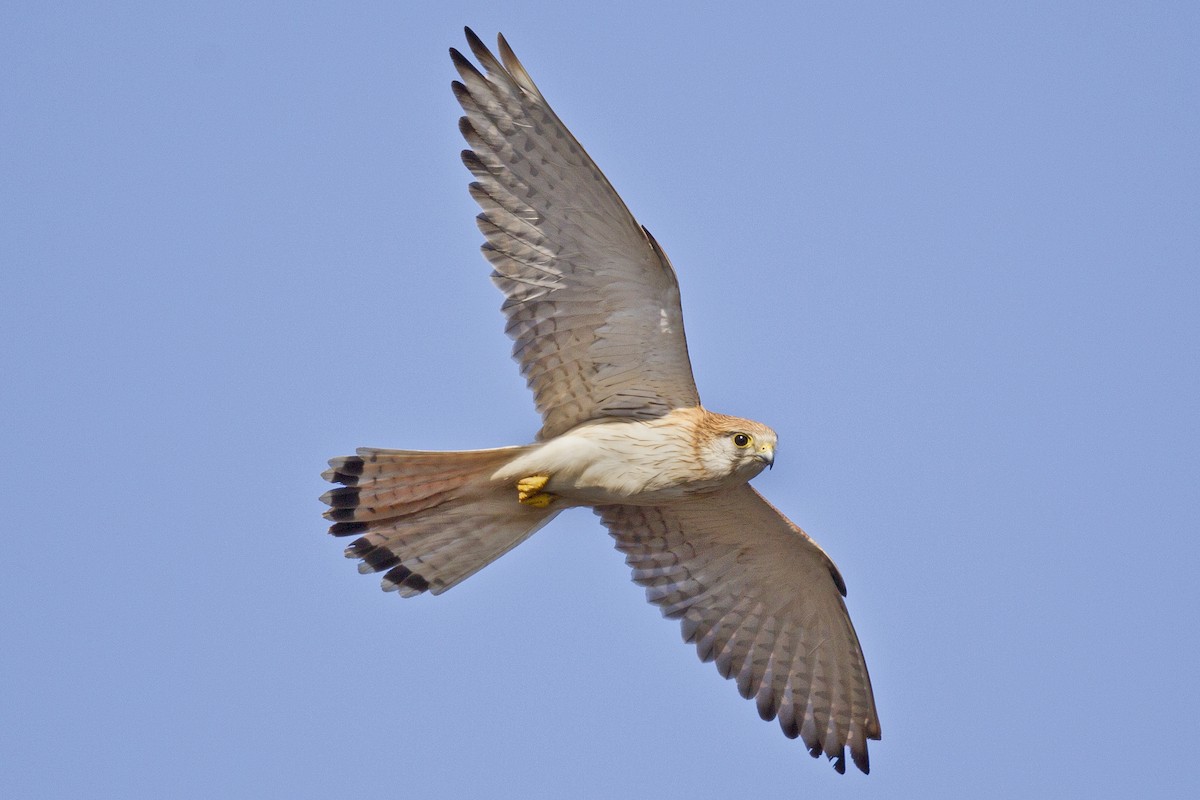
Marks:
<point>949,251</point>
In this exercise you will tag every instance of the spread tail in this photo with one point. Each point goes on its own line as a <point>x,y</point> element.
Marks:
<point>429,519</point>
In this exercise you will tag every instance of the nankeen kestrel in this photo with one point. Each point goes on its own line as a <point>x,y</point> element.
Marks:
<point>592,304</point>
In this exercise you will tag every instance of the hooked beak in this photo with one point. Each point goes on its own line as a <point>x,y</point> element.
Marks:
<point>766,454</point>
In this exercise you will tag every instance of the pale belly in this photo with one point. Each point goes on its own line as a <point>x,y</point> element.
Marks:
<point>634,462</point>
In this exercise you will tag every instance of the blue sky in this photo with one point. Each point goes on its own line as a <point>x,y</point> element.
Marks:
<point>948,251</point>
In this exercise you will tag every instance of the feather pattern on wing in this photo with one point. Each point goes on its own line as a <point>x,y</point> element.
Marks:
<point>592,301</point>
<point>761,599</point>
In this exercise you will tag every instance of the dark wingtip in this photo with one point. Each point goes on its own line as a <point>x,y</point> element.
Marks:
<point>838,581</point>
<point>461,63</point>
<point>789,726</point>
<point>403,576</point>
<point>344,497</point>
<point>505,48</point>
<point>472,39</point>
<point>375,558</point>
<point>345,514</point>
<point>351,465</point>
<point>861,759</point>
<point>347,528</point>
<point>471,161</point>
<point>344,469</point>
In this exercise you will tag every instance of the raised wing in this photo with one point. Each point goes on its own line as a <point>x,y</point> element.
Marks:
<point>762,600</point>
<point>592,301</point>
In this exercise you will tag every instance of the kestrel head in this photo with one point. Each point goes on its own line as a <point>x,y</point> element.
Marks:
<point>736,447</point>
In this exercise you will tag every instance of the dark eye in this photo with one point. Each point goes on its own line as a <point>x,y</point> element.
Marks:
<point>742,440</point>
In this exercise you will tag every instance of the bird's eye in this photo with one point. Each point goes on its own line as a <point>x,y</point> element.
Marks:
<point>742,440</point>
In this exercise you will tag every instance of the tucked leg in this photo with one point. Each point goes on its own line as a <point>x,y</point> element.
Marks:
<point>529,491</point>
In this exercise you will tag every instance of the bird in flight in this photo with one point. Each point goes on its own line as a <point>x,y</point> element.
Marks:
<point>592,305</point>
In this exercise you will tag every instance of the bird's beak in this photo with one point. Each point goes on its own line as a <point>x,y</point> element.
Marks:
<point>766,454</point>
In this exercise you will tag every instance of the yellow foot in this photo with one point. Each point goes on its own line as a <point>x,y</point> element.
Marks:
<point>529,491</point>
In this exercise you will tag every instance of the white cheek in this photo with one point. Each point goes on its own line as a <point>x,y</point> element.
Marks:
<point>724,459</point>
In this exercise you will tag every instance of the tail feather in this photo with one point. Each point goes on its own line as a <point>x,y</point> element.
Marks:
<point>374,465</point>
<point>350,504</point>
<point>429,519</point>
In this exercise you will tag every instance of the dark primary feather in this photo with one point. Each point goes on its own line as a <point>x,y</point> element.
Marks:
<point>761,600</point>
<point>591,300</point>
<point>592,305</point>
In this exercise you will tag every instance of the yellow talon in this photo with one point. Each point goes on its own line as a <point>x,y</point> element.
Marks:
<point>539,500</point>
<point>529,491</point>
